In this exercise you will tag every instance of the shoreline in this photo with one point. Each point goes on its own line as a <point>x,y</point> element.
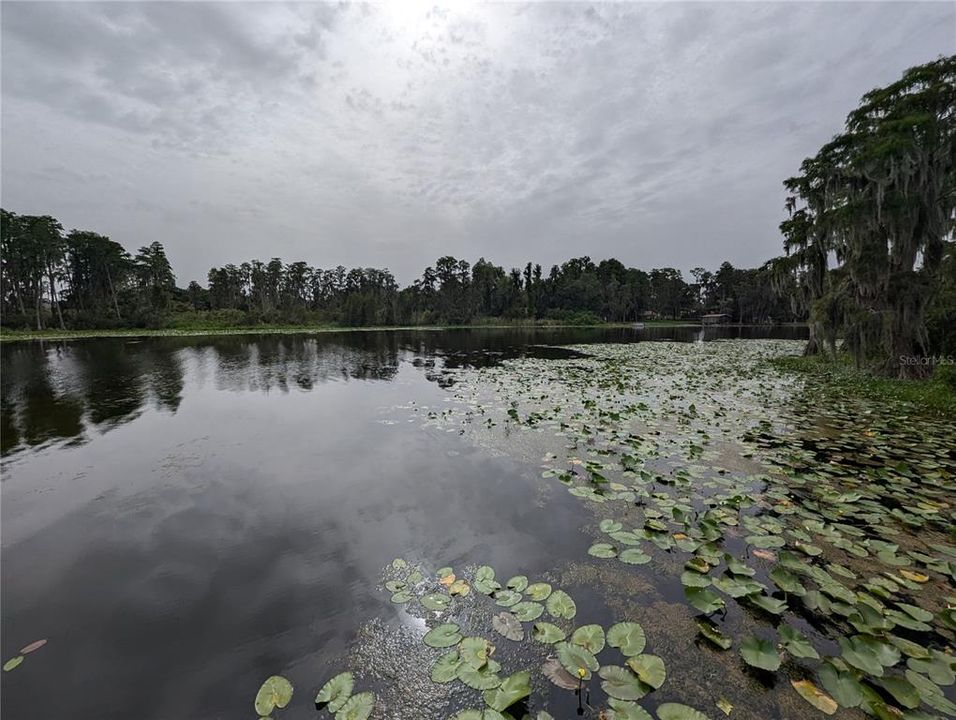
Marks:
<point>50,334</point>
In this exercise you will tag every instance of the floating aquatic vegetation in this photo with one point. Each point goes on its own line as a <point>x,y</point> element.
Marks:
<point>276,692</point>
<point>787,505</point>
<point>336,692</point>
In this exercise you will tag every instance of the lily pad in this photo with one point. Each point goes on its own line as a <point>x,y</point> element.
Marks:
<point>538,591</point>
<point>512,689</point>
<point>626,710</point>
<point>842,685</point>
<point>518,583</point>
<point>545,632</point>
<point>795,643</point>
<point>677,711</point>
<point>446,667</point>
<point>436,601</point>
<point>705,600</point>
<point>760,654</point>
<point>336,691</point>
<point>555,672</point>
<point>815,696</point>
<point>358,707</point>
<point>475,651</point>
<point>508,625</point>
<point>628,637</point>
<point>483,678</point>
<point>649,668</point>
<point>507,598</point>
<point>713,634</point>
<point>602,550</point>
<point>560,605</point>
<point>276,692</point>
<point>527,611</point>
<point>35,645</point>
<point>576,659</point>
<point>590,637</point>
<point>634,556</point>
<point>621,683</point>
<point>441,636</point>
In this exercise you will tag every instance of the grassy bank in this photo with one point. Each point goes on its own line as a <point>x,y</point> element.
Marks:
<point>936,395</point>
<point>263,329</point>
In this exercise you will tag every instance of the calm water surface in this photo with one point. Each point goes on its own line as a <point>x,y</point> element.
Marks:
<point>182,517</point>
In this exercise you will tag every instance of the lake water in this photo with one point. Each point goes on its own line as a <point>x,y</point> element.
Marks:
<point>183,517</point>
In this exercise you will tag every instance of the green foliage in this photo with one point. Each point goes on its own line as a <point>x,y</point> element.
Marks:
<point>878,201</point>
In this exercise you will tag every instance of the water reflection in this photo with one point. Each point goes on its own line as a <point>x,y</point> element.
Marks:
<point>63,391</point>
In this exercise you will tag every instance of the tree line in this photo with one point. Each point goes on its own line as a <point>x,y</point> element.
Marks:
<point>869,239</point>
<point>82,279</point>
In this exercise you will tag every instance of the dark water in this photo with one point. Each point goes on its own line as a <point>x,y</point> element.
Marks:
<point>182,517</point>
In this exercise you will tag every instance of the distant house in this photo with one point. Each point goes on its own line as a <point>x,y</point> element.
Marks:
<point>715,319</point>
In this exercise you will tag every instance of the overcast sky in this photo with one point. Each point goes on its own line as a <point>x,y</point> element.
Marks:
<point>390,135</point>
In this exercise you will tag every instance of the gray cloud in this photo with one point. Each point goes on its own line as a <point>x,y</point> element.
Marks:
<point>387,135</point>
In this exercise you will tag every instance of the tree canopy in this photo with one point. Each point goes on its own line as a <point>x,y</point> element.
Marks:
<point>870,219</point>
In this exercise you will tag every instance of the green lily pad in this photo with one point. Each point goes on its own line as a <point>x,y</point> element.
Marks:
<point>937,667</point>
<point>538,591</point>
<point>842,685</point>
<point>902,690</point>
<point>608,526</point>
<point>475,651</point>
<point>704,599</point>
<point>472,714</point>
<point>512,689</point>
<point>446,667</point>
<point>575,658</point>
<point>484,573</point>
<point>689,578</point>
<point>760,654</point>
<point>436,601</point>
<point>677,711</point>
<point>628,637</point>
<point>336,691</point>
<point>634,556</point>
<point>442,636</point>
<point>358,707</point>
<point>602,550</point>
<point>508,625</point>
<point>483,678</point>
<point>545,632</point>
<point>795,643</point>
<point>401,597</point>
<point>769,604</point>
<point>507,598</point>
<point>625,710</point>
<point>713,634</point>
<point>444,572</point>
<point>621,683</point>
<point>276,692</point>
<point>560,605</point>
<point>590,637</point>
<point>649,668</point>
<point>518,583</point>
<point>527,611</point>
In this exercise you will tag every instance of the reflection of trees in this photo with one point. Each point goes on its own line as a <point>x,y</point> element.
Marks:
<point>281,362</point>
<point>56,391</point>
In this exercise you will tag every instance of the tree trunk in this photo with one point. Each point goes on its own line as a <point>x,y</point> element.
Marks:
<point>109,279</point>
<point>54,298</point>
